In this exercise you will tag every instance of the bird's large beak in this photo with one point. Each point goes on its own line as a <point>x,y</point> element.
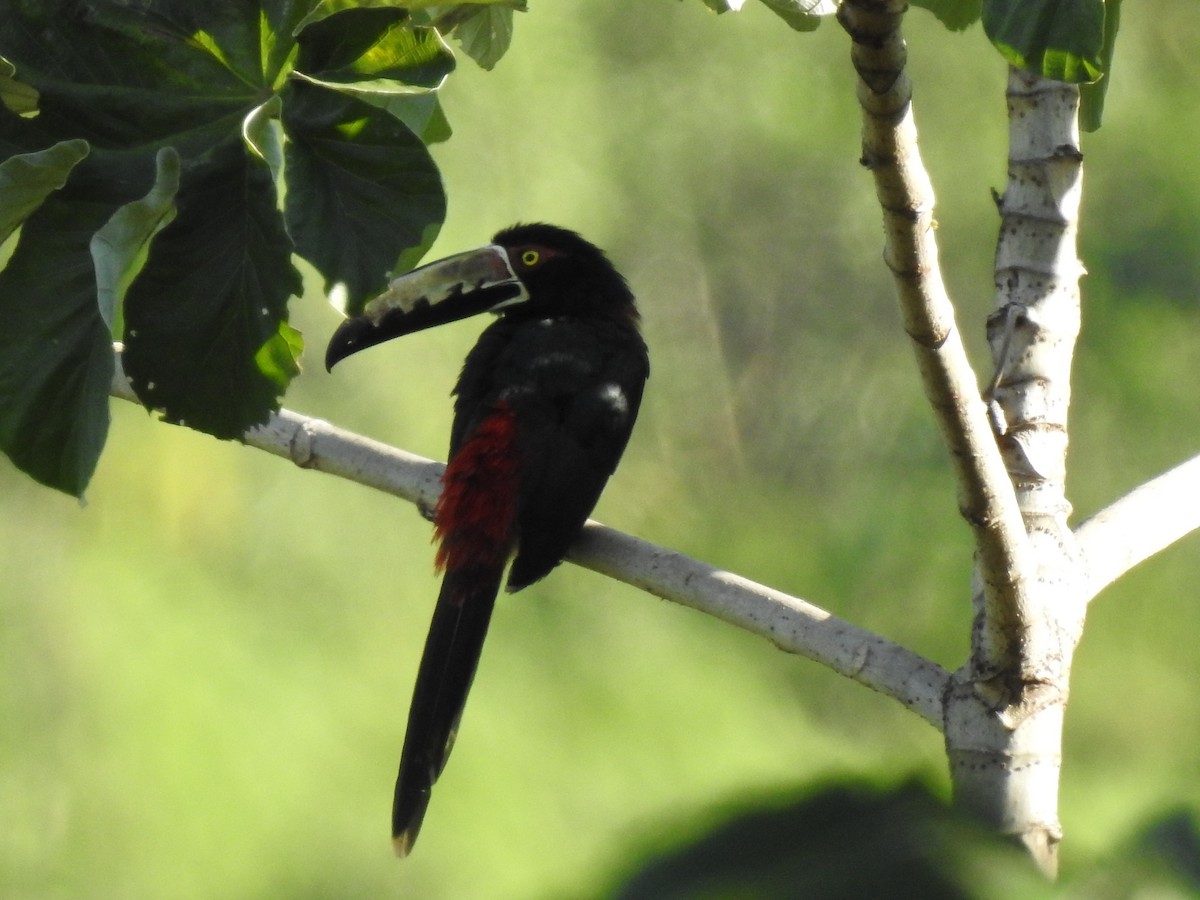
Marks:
<point>444,291</point>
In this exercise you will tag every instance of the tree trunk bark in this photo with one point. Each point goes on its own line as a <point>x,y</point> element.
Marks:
<point>1005,707</point>
<point>1003,710</point>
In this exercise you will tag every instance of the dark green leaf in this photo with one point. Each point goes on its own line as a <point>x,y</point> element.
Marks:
<point>418,108</point>
<point>206,292</point>
<point>263,136</point>
<point>26,179</point>
<point>843,841</point>
<point>1058,39</point>
<point>1091,95</point>
<point>954,14</point>
<point>370,55</point>
<point>362,190</point>
<point>16,95</point>
<point>486,33</point>
<point>436,127</point>
<point>369,44</point>
<point>323,9</point>
<point>422,113</point>
<point>116,75</point>
<point>425,9</point>
<point>55,352</point>
<point>119,248</point>
<point>1176,841</point>
<point>56,357</point>
<point>252,40</point>
<point>278,358</point>
<point>212,294</point>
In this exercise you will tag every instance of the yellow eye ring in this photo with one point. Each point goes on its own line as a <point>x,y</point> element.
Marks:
<point>530,258</point>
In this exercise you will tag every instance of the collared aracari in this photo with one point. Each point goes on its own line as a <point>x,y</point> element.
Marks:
<point>543,410</point>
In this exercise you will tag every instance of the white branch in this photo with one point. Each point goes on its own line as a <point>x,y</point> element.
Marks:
<point>1146,520</point>
<point>788,622</point>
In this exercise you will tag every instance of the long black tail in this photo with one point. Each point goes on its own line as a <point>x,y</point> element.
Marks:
<point>460,624</point>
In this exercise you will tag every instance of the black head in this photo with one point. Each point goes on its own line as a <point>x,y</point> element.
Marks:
<point>563,273</point>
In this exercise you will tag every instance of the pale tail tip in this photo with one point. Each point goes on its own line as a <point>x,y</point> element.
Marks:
<point>402,843</point>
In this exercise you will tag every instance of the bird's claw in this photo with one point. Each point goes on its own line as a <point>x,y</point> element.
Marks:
<point>426,510</point>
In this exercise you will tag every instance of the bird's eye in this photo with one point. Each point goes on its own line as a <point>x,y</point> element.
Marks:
<point>530,257</point>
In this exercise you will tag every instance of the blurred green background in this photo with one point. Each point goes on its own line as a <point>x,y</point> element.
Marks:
<point>205,671</point>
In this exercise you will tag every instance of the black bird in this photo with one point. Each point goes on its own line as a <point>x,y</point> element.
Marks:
<point>544,408</point>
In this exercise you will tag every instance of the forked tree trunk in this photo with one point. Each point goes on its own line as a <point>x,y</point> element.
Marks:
<point>1003,710</point>
<point>1004,713</point>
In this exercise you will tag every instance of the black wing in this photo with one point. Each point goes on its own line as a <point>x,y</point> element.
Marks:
<point>575,385</point>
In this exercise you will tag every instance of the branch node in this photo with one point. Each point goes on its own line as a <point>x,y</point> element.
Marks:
<point>300,447</point>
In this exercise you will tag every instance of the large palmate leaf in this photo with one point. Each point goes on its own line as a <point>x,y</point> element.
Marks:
<point>169,235</point>
<point>359,174</point>
<point>56,361</point>
<point>197,316</point>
